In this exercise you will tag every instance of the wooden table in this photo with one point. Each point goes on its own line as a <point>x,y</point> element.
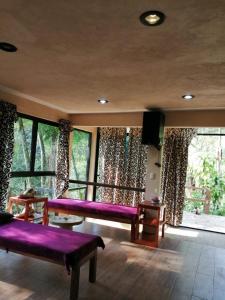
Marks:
<point>66,222</point>
<point>151,215</point>
<point>27,202</point>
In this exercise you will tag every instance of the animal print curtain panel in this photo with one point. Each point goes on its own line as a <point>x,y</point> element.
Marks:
<point>136,167</point>
<point>122,162</point>
<point>111,163</point>
<point>174,169</point>
<point>62,164</point>
<point>8,116</point>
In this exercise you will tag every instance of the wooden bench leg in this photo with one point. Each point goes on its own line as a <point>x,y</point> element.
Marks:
<point>74,282</point>
<point>93,268</point>
<point>163,229</point>
<point>133,232</point>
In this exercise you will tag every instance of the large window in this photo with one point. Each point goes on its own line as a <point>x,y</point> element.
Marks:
<point>46,147</point>
<point>79,164</point>
<point>22,146</point>
<point>205,191</point>
<point>34,158</point>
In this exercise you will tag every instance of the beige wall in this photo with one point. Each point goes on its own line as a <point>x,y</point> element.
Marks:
<point>32,108</point>
<point>207,118</point>
<point>110,119</point>
<point>198,118</point>
<point>153,173</point>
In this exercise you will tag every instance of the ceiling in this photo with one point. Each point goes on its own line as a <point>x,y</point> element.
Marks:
<point>72,52</point>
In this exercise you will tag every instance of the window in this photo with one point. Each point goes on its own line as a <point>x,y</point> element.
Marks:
<point>46,147</point>
<point>205,173</point>
<point>22,146</point>
<point>43,185</point>
<point>80,161</point>
<point>34,158</point>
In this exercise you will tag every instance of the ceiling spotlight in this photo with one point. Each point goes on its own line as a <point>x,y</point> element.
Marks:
<point>188,97</point>
<point>152,18</point>
<point>103,101</point>
<point>7,47</point>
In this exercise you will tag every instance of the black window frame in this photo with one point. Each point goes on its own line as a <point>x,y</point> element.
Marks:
<point>32,172</point>
<point>85,182</point>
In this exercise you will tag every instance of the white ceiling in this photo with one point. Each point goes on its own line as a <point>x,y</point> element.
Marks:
<point>72,52</point>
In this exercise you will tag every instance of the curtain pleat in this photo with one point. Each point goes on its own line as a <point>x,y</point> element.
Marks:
<point>174,169</point>
<point>62,162</point>
<point>8,116</point>
<point>122,161</point>
<point>135,167</point>
<point>111,162</point>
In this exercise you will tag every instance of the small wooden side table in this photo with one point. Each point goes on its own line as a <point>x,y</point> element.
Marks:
<point>151,216</point>
<point>27,202</point>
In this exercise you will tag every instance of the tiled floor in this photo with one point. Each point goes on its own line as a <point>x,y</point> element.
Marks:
<point>206,222</point>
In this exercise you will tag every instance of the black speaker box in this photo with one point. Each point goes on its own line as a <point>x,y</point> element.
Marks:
<point>153,128</point>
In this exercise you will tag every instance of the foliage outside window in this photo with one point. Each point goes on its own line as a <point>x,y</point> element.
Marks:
<point>206,169</point>
<point>79,164</point>
<point>34,158</point>
<point>46,147</point>
<point>19,184</point>
<point>22,145</point>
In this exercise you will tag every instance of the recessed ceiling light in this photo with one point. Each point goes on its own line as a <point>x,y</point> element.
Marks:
<point>188,97</point>
<point>7,47</point>
<point>152,18</point>
<point>103,101</point>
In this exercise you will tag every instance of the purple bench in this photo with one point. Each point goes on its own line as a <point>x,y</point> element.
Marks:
<point>97,210</point>
<point>56,245</point>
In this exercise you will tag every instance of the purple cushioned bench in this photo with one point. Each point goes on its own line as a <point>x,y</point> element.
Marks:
<point>56,245</point>
<point>97,210</point>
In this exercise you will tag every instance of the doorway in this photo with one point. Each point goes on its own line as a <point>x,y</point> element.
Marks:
<point>205,183</point>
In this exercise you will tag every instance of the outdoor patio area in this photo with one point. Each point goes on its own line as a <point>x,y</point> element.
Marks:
<point>203,221</point>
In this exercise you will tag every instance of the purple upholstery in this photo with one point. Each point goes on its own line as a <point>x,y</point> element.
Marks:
<point>98,208</point>
<point>60,245</point>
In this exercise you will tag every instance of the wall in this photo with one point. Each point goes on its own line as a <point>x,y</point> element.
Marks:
<point>153,173</point>
<point>32,108</point>
<point>109,119</point>
<point>197,118</point>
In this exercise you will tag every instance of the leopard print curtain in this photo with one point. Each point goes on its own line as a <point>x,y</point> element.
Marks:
<point>174,168</point>
<point>136,167</point>
<point>121,162</point>
<point>8,116</point>
<point>62,163</point>
<point>111,163</point>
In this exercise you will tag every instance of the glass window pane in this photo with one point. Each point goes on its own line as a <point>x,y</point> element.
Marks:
<point>44,186</point>
<point>211,130</point>
<point>77,191</point>
<point>22,145</point>
<point>79,165</point>
<point>47,140</point>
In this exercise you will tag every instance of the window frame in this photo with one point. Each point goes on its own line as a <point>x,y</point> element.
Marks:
<point>32,172</point>
<point>84,182</point>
